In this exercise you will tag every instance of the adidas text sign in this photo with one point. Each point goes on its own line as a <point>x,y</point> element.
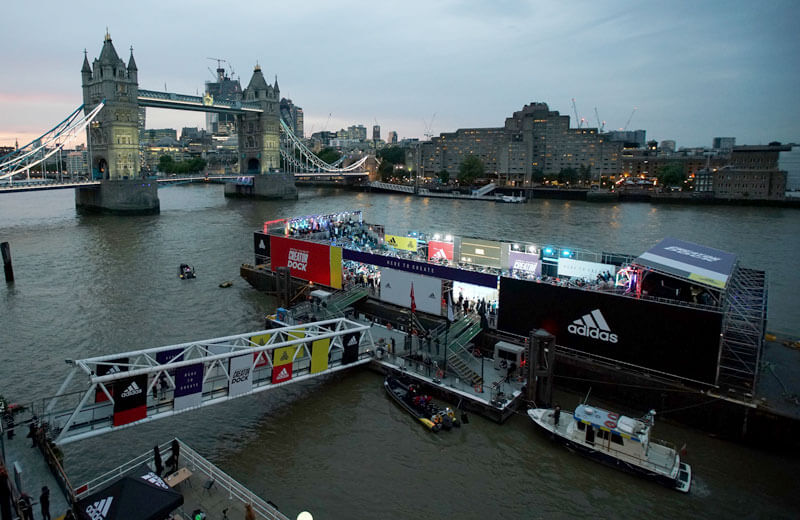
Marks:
<point>99,509</point>
<point>133,389</point>
<point>593,325</point>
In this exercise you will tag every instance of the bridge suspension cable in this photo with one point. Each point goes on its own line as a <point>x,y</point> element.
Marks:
<point>49,143</point>
<point>292,143</point>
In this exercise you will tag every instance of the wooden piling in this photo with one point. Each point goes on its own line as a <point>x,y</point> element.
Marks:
<point>5,249</point>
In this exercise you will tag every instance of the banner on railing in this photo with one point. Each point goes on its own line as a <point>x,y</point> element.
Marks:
<point>319,355</point>
<point>188,386</point>
<point>130,399</point>
<point>404,243</point>
<point>260,358</point>
<point>114,366</point>
<point>241,375</point>
<point>350,342</point>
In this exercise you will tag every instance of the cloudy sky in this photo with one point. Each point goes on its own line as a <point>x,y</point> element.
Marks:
<point>694,70</point>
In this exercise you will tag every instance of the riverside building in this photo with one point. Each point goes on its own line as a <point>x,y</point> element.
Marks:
<point>534,142</point>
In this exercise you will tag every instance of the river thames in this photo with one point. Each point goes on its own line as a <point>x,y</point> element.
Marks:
<point>88,285</point>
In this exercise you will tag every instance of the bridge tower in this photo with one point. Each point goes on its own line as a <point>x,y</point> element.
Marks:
<point>259,144</point>
<point>113,137</point>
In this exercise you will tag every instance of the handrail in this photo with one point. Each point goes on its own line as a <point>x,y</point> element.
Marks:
<point>196,462</point>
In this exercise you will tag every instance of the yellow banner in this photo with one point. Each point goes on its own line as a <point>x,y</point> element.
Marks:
<point>404,243</point>
<point>285,355</point>
<point>261,339</point>
<point>336,267</point>
<point>319,355</point>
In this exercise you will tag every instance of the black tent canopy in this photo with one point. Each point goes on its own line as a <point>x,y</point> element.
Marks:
<point>139,495</point>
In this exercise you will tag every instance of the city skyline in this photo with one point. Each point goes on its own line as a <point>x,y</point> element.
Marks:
<point>694,72</point>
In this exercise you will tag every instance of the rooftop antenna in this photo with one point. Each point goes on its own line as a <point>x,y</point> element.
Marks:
<point>575,111</point>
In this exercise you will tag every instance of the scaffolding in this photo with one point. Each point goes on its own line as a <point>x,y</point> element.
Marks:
<point>744,319</point>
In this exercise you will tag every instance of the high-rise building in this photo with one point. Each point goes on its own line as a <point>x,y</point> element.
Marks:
<point>534,140</point>
<point>292,115</point>
<point>224,89</point>
<point>724,144</point>
<point>630,138</point>
<point>376,133</point>
<point>392,139</point>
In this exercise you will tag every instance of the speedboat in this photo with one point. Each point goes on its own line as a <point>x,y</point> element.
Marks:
<point>618,441</point>
<point>418,405</point>
<point>185,271</point>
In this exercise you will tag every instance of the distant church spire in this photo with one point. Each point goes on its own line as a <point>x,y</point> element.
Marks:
<point>86,67</point>
<point>108,35</point>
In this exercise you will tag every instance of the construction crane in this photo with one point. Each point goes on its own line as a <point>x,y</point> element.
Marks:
<point>220,71</point>
<point>325,128</point>
<point>600,126</point>
<point>575,111</point>
<point>428,126</point>
<point>630,117</point>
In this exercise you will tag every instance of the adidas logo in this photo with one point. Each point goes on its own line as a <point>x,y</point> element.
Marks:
<point>432,296</point>
<point>353,342</point>
<point>388,285</point>
<point>593,325</point>
<point>283,374</point>
<point>133,389</point>
<point>261,244</point>
<point>392,241</point>
<point>99,509</point>
<point>113,370</point>
<point>155,479</point>
<point>440,255</point>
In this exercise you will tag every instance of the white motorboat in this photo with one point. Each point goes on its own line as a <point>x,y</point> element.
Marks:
<point>617,440</point>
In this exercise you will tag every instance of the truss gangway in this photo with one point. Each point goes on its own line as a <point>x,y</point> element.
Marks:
<point>125,389</point>
<point>48,144</point>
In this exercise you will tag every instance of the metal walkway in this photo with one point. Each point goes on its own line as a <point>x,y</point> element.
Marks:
<point>131,388</point>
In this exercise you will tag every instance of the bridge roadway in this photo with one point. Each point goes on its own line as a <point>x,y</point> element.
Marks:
<point>38,185</point>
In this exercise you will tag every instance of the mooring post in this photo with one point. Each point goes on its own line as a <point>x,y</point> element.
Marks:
<point>7,267</point>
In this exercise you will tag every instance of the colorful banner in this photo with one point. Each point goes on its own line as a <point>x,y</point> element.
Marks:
<point>404,243</point>
<point>336,267</point>
<point>350,343</point>
<point>260,340</point>
<point>527,263</point>
<point>437,271</point>
<point>440,250</point>
<point>319,355</point>
<point>306,260</point>
<point>165,356</point>
<point>281,373</point>
<point>112,367</point>
<point>130,399</point>
<point>188,386</point>
<point>241,375</point>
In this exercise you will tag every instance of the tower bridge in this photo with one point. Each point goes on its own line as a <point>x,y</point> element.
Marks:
<point>270,156</point>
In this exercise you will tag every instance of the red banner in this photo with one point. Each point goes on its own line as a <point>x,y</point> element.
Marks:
<point>281,373</point>
<point>440,250</point>
<point>306,260</point>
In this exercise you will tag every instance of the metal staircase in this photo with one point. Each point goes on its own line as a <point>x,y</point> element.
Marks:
<point>459,358</point>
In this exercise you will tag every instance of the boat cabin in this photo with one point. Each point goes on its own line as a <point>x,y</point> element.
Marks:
<point>612,429</point>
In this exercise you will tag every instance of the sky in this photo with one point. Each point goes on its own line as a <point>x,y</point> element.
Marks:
<point>693,70</point>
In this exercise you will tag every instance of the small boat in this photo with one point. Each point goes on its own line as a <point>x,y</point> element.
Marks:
<point>618,441</point>
<point>417,405</point>
<point>185,271</point>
